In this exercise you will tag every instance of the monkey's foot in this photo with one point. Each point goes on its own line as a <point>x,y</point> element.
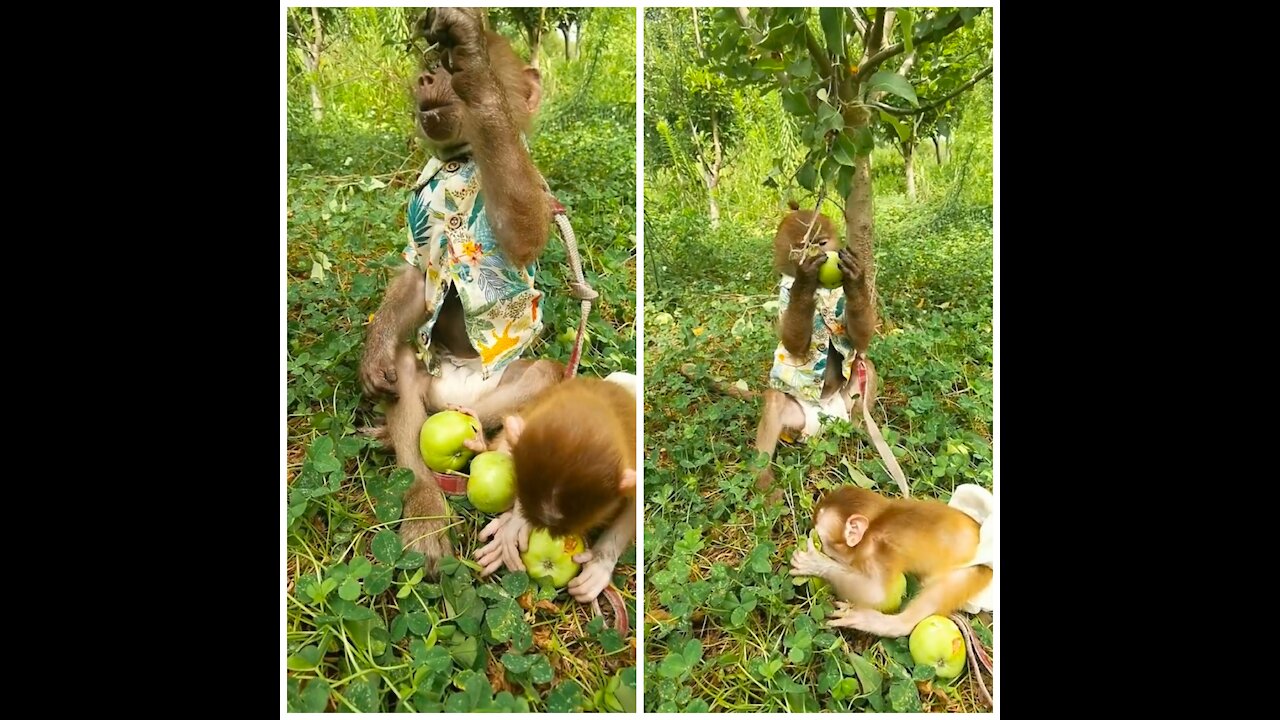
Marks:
<point>430,537</point>
<point>596,574</point>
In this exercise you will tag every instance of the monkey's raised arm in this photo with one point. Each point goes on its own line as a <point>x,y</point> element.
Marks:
<point>797,319</point>
<point>498,95</point>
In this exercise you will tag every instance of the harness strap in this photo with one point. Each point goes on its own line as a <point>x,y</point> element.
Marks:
<point>977,656</point>
<point>882,447</point>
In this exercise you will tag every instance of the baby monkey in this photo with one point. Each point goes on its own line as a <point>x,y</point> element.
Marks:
<point>574,448</point>
<point>871,538</point>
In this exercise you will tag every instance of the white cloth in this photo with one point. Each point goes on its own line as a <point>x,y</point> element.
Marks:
<point>626,380</point>
<point>978,503</point>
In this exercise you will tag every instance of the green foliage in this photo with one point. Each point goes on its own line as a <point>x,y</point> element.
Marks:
<point>716,549</point>
<point>366,629</point>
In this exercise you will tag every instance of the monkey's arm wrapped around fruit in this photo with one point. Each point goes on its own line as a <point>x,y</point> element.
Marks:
<point>599,562</point>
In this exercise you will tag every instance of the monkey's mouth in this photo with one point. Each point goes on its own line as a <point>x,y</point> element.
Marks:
<point>437,118</point>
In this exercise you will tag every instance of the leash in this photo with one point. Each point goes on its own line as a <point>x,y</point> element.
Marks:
<point>977,656</point>
<point>882,447</point>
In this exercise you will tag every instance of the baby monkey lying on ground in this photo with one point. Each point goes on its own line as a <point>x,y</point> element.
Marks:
<point>868,539</point>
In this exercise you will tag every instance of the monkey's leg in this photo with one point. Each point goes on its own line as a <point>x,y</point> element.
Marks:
<point>522,381</point>
<point>780,413</point>
<point>943,595</point>
<point>425,509</point>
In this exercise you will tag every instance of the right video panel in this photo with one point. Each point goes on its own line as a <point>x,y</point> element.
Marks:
<point>819,516</point>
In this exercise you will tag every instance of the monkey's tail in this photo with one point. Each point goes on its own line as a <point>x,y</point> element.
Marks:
<point>717,385</point>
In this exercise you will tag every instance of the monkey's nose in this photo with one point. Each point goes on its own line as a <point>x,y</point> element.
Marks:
<point>426,79</point>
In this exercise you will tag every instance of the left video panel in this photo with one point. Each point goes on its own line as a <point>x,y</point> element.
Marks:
<point>460,465</point>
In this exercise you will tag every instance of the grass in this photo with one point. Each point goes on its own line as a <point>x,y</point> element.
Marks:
<point>366,631</point>
<point>725,627</point>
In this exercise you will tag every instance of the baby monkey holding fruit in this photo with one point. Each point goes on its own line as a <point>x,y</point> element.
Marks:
<point>867,543</point>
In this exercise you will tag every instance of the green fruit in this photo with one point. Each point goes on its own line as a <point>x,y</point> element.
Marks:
<point>894,591</point>
<point>937,641</point>
<point>549,560</point>
<point>441,440</point>
<point>570,335</point>
<point>492,485</point>
<point>829,274</point>
<point>815,583</point>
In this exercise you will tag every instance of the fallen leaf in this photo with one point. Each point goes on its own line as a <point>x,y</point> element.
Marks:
<point>525,601</point>
<point>548,606</point>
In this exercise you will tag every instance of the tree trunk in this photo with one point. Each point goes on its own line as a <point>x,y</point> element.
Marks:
<point>909,162</point>
<point>713,211</point>
<point>859,212</point>
<point>937,151</point>
<point>535,43</point>
<point>564,30</point>
<point>313,65</point>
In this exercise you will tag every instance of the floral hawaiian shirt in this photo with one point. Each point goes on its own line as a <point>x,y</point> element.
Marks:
<point>801,376</point>
<point>451,241</point>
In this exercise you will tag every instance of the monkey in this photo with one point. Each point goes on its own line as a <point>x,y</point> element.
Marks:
<point>822,334</point>
<point>574,450</point>
<point>457,318</point>
<point>867,539</point>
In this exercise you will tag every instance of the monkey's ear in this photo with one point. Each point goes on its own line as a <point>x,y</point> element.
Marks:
<point>628,480</point>
<point>514,426</point>
<point>854,527</point>
<point>535,88</point>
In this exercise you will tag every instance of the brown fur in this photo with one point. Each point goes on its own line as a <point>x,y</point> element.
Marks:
<point>925,538</point>
<point>578,438</point>
<point>483,98</point>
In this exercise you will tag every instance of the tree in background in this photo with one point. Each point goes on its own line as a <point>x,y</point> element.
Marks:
<point>309,25</point>
<point>690,108</point>
<point>830,68</point>
<point>572,19</point>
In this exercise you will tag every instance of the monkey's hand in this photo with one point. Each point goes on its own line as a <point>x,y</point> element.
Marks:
<point>597,571</point>
<point>460,33</point>
<point>869,621</point>
<point>811,562</point>
<point>851,274</point>
<point>807,273</point>
<point>477,442</point>
<point>510,533</point>
<point>378,369</point>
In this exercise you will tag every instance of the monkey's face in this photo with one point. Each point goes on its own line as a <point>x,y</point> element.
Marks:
<point>830,527</point>
<point>438,107</point>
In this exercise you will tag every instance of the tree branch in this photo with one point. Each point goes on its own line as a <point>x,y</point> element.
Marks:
<point>876,37</point>
<point>744,21</point>
<point>859,20</point>
<point>819,55</point>
<point>870,65</point>
<point>943,100</point>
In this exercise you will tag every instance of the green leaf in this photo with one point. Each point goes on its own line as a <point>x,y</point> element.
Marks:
<point>796,655</point>
<point>348,610</point>
<point>436,660</point>
<point>386,546</point>
<point>419,623</point>
<point>315,696</point>
<point>378,581</point>
<point>697,706</point>
<point>904,132</point>
<point>626,691</point>
<point>401,480</point>
<point>692,652</point>
<point>672,666</point>
<point>758,560</point>
<point>388,508</point>
<point>517,663</point>
<point>832,19</point>
<point>470,611</point>
<point>903,697</point>
<point>807,176</point>
<point>795,103</point>
<point>465,652</point>
<point>739,615</point>
<point>410,560</point>
<point>868,675</point>
<point>906,20</point>
<point>540,671</point>
<point>506,622</point>
<point>894,84</point>
<point>515,583</point>
<point>565,697</point>
<point>859,479</point>
<point>922,672</point>
<point>768,64</point>
<point>843,150</point>
<point>360,567</point>
<point>350,589</point>
<point>399,627</point>
<point>306,658</point>
<point>801,68</point>
<point>863,141</point>
<point>844,181</point>
<point>611,641</point>
<point>362,694</point>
